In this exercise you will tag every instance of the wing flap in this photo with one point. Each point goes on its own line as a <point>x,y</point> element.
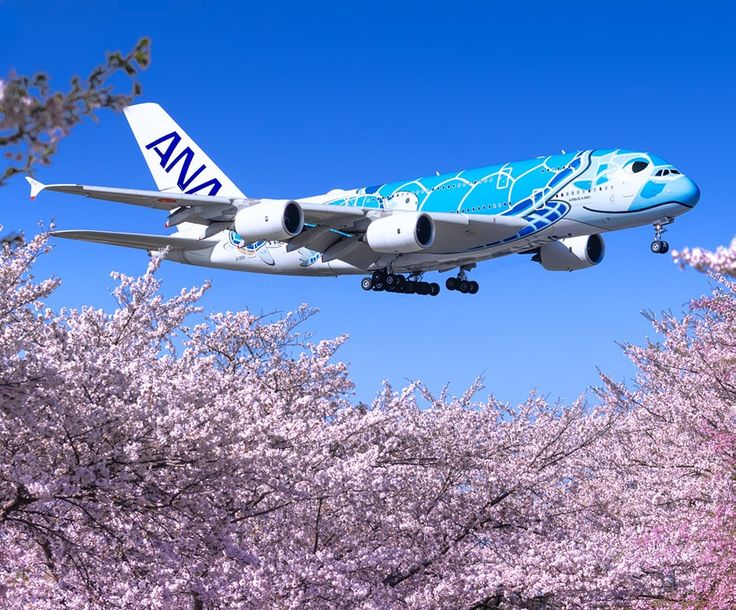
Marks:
<point>457,233</point>
<point>333,216</point>
<point>141,241</point>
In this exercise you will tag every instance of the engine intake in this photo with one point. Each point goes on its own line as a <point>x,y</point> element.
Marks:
<point>571,253</point>
<point>269,221</point>
<point>400,233</point>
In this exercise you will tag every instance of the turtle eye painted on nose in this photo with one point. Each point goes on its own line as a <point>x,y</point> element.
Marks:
<point>638,166</point>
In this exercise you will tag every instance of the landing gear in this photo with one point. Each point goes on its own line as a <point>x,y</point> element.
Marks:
<point>659,246</point>
<point>462,284</point>
<point>381,280</point>
<point>393,280</point>
<point>378,275</point>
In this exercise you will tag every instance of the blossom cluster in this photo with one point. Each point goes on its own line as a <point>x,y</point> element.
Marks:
<point>33,119</point>
<point>148,461</point>
<point>721,261</point>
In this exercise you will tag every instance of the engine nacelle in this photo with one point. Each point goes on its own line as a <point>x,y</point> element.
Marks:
<point>269,221</point>
<point>401,232</point>
<point>571,253</point>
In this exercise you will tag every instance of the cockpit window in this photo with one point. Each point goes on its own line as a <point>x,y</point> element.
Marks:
<point>638,166</point>
<point>667,172</point>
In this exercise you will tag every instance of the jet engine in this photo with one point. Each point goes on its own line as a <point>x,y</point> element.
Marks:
<point>271,220</point>
<point>401,232</point>
<point>571,253</point>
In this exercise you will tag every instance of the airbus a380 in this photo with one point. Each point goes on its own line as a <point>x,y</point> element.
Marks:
<point>554,208</point>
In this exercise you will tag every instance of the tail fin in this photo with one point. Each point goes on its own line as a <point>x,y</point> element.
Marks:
<point>176,163</point>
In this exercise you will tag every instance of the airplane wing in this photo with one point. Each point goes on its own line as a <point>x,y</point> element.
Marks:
<point>136,240</point>
<point>204,209</point>
<point>334,230</point>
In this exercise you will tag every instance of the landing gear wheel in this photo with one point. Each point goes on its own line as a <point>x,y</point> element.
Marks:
<point>463,286</point>
<point>392,280</point>
<point>434,289</point>
<point>659,246</point>
<point>411,287</point>
<point>451,283</point>
<point>378,286</point>
<point>366,283</point>
<point>379,275</point>
<point>473,287</point>
<point>422,288</point>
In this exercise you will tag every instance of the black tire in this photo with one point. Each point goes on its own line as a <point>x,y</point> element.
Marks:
<point>411,287</point>
<point>391,280</point>
<point>379,275</point>
<point>656,246</point>
<point>366,283</point>
<point>434,289</point>
<point>379,286</point>
<point>463,287</point>
<point>665,248</point>
<point>423,288</point>
<point>451,283</point>
<point>473,287</point>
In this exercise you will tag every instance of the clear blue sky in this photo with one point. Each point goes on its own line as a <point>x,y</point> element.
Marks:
<point>293,99</point>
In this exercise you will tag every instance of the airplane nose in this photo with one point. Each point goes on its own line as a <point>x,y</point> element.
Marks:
<point>685,191</point>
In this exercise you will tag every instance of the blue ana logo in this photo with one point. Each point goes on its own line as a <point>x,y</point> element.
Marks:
<point>186,156</point>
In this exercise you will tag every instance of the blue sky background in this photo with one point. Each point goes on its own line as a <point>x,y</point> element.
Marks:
<point>293,99</point>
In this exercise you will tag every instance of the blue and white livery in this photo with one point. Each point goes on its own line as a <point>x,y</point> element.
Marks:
<point>554,208</point>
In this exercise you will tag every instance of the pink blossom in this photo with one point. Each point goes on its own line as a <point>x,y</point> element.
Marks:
<point>153,459</point>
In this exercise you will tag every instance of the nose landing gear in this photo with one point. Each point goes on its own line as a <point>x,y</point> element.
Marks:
<point>659,246</point>
<point>381,280</point>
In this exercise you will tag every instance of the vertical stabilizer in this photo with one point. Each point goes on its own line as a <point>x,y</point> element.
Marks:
<point>176,163</point>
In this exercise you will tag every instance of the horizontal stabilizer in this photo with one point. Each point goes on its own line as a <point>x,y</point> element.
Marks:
<point>137,240</point>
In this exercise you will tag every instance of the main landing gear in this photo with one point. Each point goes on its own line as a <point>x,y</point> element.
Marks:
<point>462,284</point>
<point>659,246</point>
<point>381,280</point>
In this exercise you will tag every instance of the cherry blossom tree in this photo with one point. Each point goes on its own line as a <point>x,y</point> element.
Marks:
<point>720,262</point>
<point>33,118</point>
<point>671,470</point>
<point>151,463</point>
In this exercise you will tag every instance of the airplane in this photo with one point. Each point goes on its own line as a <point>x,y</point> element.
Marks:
<point>552,207</point>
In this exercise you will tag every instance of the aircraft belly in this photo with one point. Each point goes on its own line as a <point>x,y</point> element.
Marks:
<point>265,257</point>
